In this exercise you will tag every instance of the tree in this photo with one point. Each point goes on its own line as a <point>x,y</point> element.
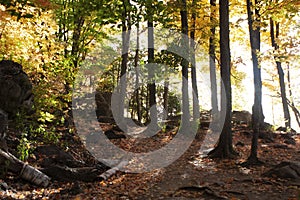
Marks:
<point>184,63</point>
<point>126,28</point>
<point>212,59</point>
<point>224,149</point>
<point>257,113</point>
<point>151,69</point>
<point>274,32</point>
<point>291,101</point>
<point>196,111</point>
<point>136,60</point>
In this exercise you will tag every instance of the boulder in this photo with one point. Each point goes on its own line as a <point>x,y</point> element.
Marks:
<point>3,123</point>
<point>3,127</point>
<point>286,170</point>
<point>241,117</point>
<point>103,103</point>
<point>15,88</point>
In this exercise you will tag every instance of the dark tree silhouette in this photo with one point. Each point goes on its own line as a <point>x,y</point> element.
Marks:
<point>257,113</point>
<point>126,27</point>
<point>274,32</point>
<point>212,59</point>
<point>224,148</point>
<point>136,60</point>
<point>151,70</point>
<point>184,64</point>
<point>196,110</point>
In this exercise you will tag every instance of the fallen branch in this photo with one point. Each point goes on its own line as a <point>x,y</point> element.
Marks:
<point>24,170</point>
<point>112,171</point>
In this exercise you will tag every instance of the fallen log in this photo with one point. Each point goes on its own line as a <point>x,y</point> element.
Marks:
<point>112,171</point>
<point>65,173</point>
<point>24,170</point>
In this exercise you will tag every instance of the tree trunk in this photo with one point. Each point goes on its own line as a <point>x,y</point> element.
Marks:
<point>196,110</point>
<point>274,36</point>
<point>151,69</point>
<point>24,170</point>
<point>291,103</point>
<point>185,64</point>
<point>78,23</point>
<point>136,60</point>
<point>257,114</point>
<point>166,93</point>
<point>126,27</point>
<point>224,148</point>
<point>212,59</point>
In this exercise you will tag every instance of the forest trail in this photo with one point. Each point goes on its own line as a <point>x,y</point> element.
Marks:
<point>191,176</point>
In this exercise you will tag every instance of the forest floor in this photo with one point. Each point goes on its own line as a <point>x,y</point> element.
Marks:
<point>192,176</point>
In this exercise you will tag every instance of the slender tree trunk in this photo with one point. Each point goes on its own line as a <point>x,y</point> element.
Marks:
<point>184,63</point>
<point>78,22</point>
<point>196,109</point>
<point>292,104</point>
<point>126,27</point>
<point>274,36</point>
<point>136,60</point>
<point>224,148</point>
<point>212,59</point>
<point>166,93</point>
<point>257,115</point>
<point>151,69</point>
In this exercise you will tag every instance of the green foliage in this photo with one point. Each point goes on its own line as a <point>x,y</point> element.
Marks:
<point>52,41</point>
<point>24,147</point>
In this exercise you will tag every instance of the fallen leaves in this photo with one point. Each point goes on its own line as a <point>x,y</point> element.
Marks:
<point>220,178</point>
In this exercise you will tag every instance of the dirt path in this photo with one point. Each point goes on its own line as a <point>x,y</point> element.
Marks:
<point>189,177</point>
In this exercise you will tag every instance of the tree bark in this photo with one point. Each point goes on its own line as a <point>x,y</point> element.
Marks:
<point>151,69</point>
<point>24,170</point>
<point>212,59</point>
<point>136,60</point>
<point>184,64</point>
<point>274,36</point>
<point>224,149</point>
<point>196,109</point>
<point>126,27</point>
<point>257,113</point>
<point>166,93</point>
<point>291,102</point>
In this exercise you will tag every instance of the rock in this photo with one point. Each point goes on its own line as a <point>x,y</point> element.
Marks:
<point>288,138</point>
<point>286,170</point>
<point>241,117</point>
<point>3,128</point>
<point>284,129</point>
<point>103,103</point>
<point>3,123</point>
<point>15,88</point>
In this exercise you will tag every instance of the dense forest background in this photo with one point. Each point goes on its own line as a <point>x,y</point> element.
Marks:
<point>225,57</point>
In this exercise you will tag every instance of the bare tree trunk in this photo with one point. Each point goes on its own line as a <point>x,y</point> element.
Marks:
<point>24,170</point>
<point>212,59</point>
<point>291,102</point>
<point>126,27</point>
<point>166,93</point>
<point>257,114</point>
<point>224,149</point>
<point>151,69</point>
<point>196,109</point>
<point>136,60</point>
<point>185,64</point>
<point>78,22</point>
<point>274,36</point>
